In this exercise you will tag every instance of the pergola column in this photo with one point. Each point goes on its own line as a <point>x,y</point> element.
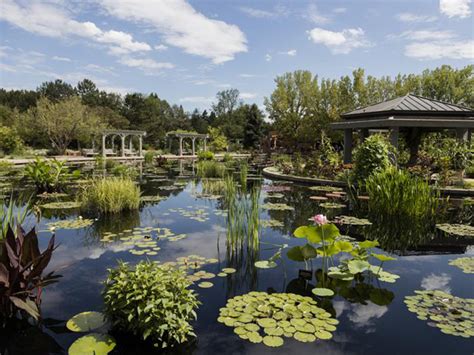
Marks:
<point>123,145</point>
<point>103,144</point>
<point>194,150</point>
<point>130,144</point>
<point>180,146</point>
<point>347,146</point>
<point>394,134</point>
<point>140,146</point>
<point>205,144</point>
<point>462,134</point>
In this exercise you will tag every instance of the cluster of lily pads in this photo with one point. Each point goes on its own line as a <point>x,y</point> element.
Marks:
<point>460,230</point>
<point>277,207</point>
<point>332,205</point>
<point>260,317</point>
<point>452,315</point>
<point>325,188</point>
<point>353,221</point>
<point>466,264</point>
<point>275,195</point>
<point>194,213</point>
<point>266,223</point>
<point>71,223</point>
<point>152,198</point>
<point>92,343</point>
<point>61,205</point>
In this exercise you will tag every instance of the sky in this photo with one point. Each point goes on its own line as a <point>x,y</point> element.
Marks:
<point>188,50</point>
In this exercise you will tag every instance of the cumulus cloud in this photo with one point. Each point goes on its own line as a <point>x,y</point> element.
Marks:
<point>197,99</point>
<point>160,47</point>
<point>276,11</point>
<point>248,95</point>
<point>291,52</point>
<point>455,8</point>
<point>448,49</point>
<point>436,282</point>
<point>409,17</point>
<point>53,21</point>
<point>424,35</point>
<point>313,14</point>
<point>61,59</point>
<point>340,42</point>
<point>145,63</point>
<point>365,315</point>
<point>183,27</point>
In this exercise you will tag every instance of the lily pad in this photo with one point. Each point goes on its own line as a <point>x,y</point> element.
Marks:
<point>273,341</point>
<point>460,230</point>
<point>353,221</point>
<point>85,322</point>
<point>93,344</point>
<point>466,264</point>
<point>265,264</point>
<point>61,205</point>
<point>229,270</point>
<point>322,292</point>
<point>277,207</point>
<point>205,284</point>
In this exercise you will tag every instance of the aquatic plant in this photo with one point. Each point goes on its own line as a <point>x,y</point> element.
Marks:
<point>124,171</point>
<point>8,217</point>
<point>268,223</point>
<point>49,175</point>
<point>466,264</point>
<point>62,205</point>
<point>163,316</point>
<point>371,156</point>
<point>86,322</point>
<point>277,207</point>
<point>352,221</point>
<point>21,274</point>
<point>149,157</point>
<point>452,315</point>
<point>243,172</point>
<point>93,343</point>
<point>110,195</point>
<point>205,155</point>
<point>71,223</point>
<point>210,169</point>
<point>261,317</point>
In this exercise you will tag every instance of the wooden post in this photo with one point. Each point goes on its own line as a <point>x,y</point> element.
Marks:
<point>130,144</point>
<point>180,146</point>
<point>123,145</point>
<point>347,146</point>
<point>194,150</point>
<point>140,146</point>
<point>205,144</point>
<point>103,145</point>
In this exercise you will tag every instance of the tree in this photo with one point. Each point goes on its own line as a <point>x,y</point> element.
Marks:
<point>227,102</point>
<point>253,127</point>
<point>199,122</point>
<point>88,92</point>
<point>218,139</point>
<point>56,90</point>
<point>65,121</point>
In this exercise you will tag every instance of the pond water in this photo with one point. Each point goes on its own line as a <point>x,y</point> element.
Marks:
<point>373,316</point>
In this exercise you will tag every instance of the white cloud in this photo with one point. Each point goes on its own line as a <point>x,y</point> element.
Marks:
<point>183,27</point>
<point>197,99</point>
<point>340,42</point>
<point>61,59</point>
<point>339,10</point>
<point>100,69</point>
<point>268,57</point>
<point>455,8</point>
<point>244,75</point>
<point>160,47</point>
<point>364,315</point>
<point>312,13</point>
<point>291,52</point>
<point>277,11</point>
<point>248,95</point>
<point>145,63</point>
<point>436,282</point>
<point>424,35</point>
<point>448,49</point>
<point>409,17</point>
<point>53,21</point>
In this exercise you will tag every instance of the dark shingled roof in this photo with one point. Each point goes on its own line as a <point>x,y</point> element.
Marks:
<point>409,104</point>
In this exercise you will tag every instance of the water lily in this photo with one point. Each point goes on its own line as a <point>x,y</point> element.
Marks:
<point>320,219</point>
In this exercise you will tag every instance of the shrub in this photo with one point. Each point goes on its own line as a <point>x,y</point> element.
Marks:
<point>151,301</point>
<point>371,156</point>
<point>9,140</point>
<point>218,139</point>
<point>21,274</point>
<point>150,157</point>
<point>210,169</point>
<point>124,171</point>
<point>205,155</point>
<point>111,195</point>
<point>49,175</point>
<point>227,158</point>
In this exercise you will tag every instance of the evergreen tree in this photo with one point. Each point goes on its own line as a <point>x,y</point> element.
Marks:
<point>253,127</point>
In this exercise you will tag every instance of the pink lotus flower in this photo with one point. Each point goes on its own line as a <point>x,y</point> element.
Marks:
<point>320,219</point>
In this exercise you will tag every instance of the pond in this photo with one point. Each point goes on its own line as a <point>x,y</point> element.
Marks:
<point>373,317</point>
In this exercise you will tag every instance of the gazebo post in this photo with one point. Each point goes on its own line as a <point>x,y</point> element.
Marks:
<point>394,133</point>
<point>462,134</point>
<point>194,150</point>
<point>123,145</point>
<point>180,146</point>
<point>103,145</point>
<point>347,146</point>
<point>140,145</point>
<point>363,134</point>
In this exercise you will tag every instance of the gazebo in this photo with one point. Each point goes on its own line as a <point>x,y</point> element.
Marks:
<point>410,114</point>
<point>123,133</point>
<point>191,135</point>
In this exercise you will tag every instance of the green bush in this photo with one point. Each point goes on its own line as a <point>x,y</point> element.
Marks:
<point>227,158</point>
<point>124,171</point>
<point>151,301</point>
<point>205,155</point>
<point>371,156</point>
<point>110,195</point>
<point>49,175</point>
<point>210,169</point>
<point>9,140</point>
<point>150,157</point>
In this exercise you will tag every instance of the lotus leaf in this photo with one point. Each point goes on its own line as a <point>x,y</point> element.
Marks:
<point>93,344</point>
<point>382,257</point>
<point>466,264</point>
<point>366,244</point>
<point>357,266</point>
<point>86,321</point>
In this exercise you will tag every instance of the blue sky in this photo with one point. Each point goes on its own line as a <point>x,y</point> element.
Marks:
<point>186,51</point>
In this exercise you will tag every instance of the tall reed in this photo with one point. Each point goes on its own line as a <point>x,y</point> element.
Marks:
<point>210,169</point>
<point>111,195</point>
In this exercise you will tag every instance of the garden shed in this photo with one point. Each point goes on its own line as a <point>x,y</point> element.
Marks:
<point>409,114</point>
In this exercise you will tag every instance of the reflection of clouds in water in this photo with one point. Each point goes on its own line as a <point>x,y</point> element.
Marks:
<point>339,306</point>
<point>436,282</point>
<point>50,299</point>
<point>365,315</point>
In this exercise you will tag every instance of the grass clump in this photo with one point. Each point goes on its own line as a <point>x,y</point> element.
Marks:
<point>210,169</point>
<point>111,195</point>
<point>205,155</point>
<point>163,315</point>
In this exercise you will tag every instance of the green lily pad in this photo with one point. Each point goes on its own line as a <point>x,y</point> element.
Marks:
<point>229,270</point>
<point>273,341</point>
<point>86,321</point>
<point>277,207</point>
<point>466,264</point>
<point>61,205</point>
<point>205,284</point>
<point>265,264</point>
<point>461,230</point>
<point>322,292</point>
<point>93,344</point>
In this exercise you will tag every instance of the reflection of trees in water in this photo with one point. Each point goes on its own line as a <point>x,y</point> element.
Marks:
<point>113,223</point>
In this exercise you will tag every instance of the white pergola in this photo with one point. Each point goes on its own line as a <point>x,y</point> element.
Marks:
<point>193,136</point>
<point>123,134</point>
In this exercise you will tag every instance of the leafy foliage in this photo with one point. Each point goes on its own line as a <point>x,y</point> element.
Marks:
<point>205,155</point>
<point>49,175</point>
<point>9,140</point>
<point>218,139</point>
<point>210,169</point>
<point>110,195</point>
<point>163,315</point>
<point>371,156</point>
<point>21,274</point>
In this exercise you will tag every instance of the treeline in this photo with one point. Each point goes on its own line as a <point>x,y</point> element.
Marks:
<point>48,115</point>
<point>302,105</point>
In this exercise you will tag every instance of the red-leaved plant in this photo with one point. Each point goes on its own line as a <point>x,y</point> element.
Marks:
<point>21,274</point>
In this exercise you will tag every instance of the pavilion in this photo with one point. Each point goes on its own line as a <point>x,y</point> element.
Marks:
<point>409,114</point>
<point>123,134</point>
<point>191,135</point>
